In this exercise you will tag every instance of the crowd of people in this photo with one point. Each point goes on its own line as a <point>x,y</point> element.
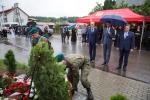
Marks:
<point>23,30</point>
<point>124,38</point>
<point>73,62</point>
<point>3,33</point>
<point>65,33</point>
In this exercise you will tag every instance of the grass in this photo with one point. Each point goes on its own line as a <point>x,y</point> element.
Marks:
<point>118,97</point>
<point>21,68</point>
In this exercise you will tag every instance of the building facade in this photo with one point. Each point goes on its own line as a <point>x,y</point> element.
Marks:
<point>14,15</point>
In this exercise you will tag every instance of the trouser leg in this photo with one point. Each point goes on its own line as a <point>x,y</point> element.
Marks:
<point>62,38</point>
<point>121,52</point>
<point>108,52</point>
<point>84,79</point>
<point>104,52</point>
<point>94,52</point>
<point>90,51</point>
<point>73,77</point>
<point>126,55</point>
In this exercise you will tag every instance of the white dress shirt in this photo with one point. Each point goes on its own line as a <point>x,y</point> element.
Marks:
<point>125,34</point>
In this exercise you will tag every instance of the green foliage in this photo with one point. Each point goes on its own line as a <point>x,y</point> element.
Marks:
<point>111,4</point>
<point>48,74</point>
<point>108,4</point>
<point>53,19</point>
<point>10,62</point>
<point>146,8</point>
<point>98,7</point>
<point>118,97</point>
<point>124,4</point>
<point>44,19</point>
<point>72,19</point>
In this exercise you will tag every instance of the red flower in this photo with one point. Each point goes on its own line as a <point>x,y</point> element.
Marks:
<point>25,97</point>
<point>1,76</point>
<point>19,91</point>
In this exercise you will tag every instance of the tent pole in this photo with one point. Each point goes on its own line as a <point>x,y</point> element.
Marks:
<point>142,35</point>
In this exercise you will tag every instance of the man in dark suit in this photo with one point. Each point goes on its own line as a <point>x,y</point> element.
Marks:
<point>125,44</point>
<point>92,39</point>
<point>108,34</point>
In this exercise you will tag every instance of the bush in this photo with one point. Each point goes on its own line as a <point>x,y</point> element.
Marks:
<point>48,74</point>
<point>118,97</point>
<point>10,62</point>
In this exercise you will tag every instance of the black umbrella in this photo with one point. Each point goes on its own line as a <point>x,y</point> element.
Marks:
<point>114,19</point>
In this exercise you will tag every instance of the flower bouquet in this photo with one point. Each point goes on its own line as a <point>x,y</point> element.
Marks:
<point>14,87</point>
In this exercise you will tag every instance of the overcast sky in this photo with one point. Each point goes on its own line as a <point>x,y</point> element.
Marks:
<point>54,8</point>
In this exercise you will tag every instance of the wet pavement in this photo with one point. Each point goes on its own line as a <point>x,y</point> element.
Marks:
<point>104,83</point>
<point>138,67</point>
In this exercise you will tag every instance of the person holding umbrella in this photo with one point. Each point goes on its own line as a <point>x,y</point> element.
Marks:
<point>108,34</point>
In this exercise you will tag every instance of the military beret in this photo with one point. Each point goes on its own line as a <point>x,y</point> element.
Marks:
<point>60,57</point>
<point>33,30</point>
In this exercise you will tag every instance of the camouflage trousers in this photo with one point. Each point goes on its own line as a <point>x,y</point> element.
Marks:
<point>73,75</point>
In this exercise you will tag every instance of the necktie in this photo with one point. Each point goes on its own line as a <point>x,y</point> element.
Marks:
<point>92,29</point>
<point>108,30</point>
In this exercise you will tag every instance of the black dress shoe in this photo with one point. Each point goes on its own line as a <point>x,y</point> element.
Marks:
<point>118,68</point>
<point>104,63</point>
<point>124,69</point>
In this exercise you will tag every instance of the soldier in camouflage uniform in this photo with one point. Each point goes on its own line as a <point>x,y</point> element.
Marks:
<point>74,63</point>
<point>36,37</point>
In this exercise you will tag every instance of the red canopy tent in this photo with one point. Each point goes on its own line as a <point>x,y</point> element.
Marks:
<point>147,18</point>
<point>126,13</point>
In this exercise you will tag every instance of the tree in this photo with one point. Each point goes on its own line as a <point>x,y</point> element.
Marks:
<point>108,4</point>
<point>48,74</point>
<point>124,4</point>
<point>143,9</point>
<point>72,19</point>
<point>98,7</point>
<point>10,62</point>
<point>146,8</point>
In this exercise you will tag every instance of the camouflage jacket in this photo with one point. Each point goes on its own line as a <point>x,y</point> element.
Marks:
<point>76,60</point>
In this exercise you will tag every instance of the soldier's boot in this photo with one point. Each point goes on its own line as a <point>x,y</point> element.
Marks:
<point>90,95</point>
<point>73,91</point>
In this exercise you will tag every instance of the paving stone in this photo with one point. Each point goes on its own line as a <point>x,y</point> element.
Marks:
<point>104,85</point>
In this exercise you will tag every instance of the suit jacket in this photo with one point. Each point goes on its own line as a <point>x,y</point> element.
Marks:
<point>126,43</point>
<point>92,35</point>
<point>107,38</point>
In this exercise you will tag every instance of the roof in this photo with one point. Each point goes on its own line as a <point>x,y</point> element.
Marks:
<point>7,11</point>
<point>11,9</point>
<point>126,13</point>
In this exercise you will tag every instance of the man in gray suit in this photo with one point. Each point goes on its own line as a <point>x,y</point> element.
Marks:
<point>108,34</point>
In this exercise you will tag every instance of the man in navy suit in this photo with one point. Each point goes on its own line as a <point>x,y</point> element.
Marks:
<point>125,44</point>
<point>108,34</point>
<point>92,39</point>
